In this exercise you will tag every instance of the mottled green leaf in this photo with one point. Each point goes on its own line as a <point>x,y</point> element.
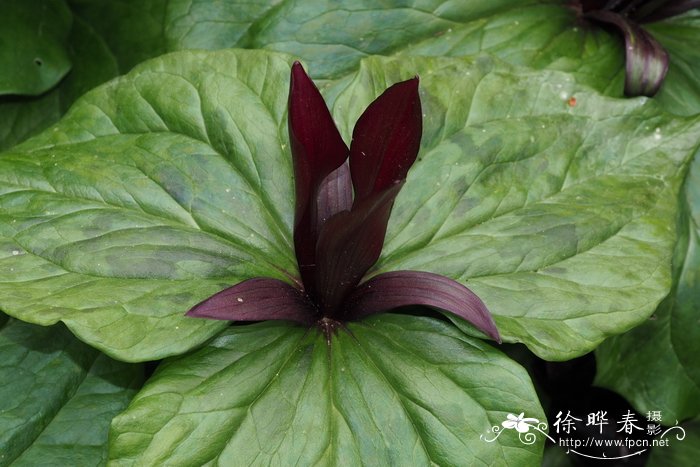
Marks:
<point>57,397</point>
<point>22,117</point>
<point>334,36</point>
<point>392,390</point>
<point>655,366</point>
<point>561,218</point>
<point>154,192</point>
<point>33,55</point>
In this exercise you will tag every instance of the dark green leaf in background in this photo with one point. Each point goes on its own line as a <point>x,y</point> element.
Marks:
<point>680,93</point>
<point>21,116</point>
<point>133,30</point>
<point>334,36</point>
<point>33,36</point>
<point>57,397</point>
<point>392,390</point>
<point>679,452</point>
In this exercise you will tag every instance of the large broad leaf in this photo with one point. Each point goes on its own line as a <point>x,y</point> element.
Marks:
<point>655,366</point>
<point>681,92</point>
<point>21,117</point>
<point>393,390</point>
<point>154,192</point>
<point>560,217</point>
<point>57,397</point>
<point>33,51</point>
<point>174,182</point>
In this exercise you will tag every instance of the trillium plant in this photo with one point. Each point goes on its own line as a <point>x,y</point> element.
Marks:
<point>646,59</point>
<point>469,236</point>
<point>338,236</point>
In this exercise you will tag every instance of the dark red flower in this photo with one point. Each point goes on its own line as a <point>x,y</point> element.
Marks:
<point>338,236</point>
<point>646,61</point>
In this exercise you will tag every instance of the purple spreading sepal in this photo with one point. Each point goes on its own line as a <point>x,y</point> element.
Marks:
<point>257,300</point>
<point>404,288</point>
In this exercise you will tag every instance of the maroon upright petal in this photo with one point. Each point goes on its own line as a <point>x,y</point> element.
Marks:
<point>317,150</point>
<point>386,139</point>
<point>257,300</point>
<point>334,195</point>
<point>646,61</point>
<point>403,288</point>
<point>348,245</point>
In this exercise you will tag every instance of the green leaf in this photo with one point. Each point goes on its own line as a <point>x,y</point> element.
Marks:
<point>685,451</point>
<point>57,397</point>
<point>392,390</point>
<point>519,35</point>
<point>554,456</point>
<point>334,36</point>
<point>133,30</point>
<point>154,192</point>
<point>560,218</point>
<point>33,52</point>
<point>680,93</point>
<point>655,366</point>
<point>22,117</point>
